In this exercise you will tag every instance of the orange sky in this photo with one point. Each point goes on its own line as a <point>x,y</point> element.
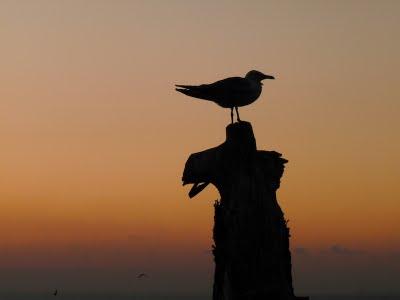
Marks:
<point>94,137</point>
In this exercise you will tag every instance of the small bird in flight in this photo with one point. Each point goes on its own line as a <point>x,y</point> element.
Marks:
<point>142,275</point>
<point>230,92</point>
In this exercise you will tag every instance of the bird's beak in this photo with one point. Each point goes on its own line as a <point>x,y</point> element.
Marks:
<point>268,77</point>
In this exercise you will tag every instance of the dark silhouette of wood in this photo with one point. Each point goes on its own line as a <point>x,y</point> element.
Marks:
<point>251,236</point>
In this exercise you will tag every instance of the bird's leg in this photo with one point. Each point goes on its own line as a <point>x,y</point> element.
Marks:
<point>231,115</point>
<point>237,114</point>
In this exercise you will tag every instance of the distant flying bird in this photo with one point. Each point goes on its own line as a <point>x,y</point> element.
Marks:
<point>55,293</point>
<point>230,92</point>
<point>142,275</point>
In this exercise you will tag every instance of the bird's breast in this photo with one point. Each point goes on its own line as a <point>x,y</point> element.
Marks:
<point>248,97</point>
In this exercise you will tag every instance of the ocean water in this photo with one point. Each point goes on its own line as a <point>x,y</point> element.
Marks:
<point>111,296</point>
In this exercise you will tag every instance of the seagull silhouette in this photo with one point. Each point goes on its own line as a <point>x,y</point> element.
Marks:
<point>230,92</point>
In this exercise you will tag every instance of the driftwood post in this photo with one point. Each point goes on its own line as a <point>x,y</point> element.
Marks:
<point>251,237</point>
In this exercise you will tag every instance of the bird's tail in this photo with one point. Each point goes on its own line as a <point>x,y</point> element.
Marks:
<point>186,86</point>
<point>193,91</point>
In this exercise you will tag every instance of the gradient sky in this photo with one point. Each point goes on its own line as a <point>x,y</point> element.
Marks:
<point>94,138</point>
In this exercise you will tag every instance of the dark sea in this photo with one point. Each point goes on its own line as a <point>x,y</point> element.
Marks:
<point>88,296</point>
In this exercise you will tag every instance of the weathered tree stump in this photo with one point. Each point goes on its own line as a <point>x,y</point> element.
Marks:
<point>251,237</point>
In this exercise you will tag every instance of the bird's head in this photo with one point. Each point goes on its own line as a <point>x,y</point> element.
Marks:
<point>258,76</point>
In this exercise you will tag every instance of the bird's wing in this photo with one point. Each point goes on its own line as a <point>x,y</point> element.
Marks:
<point>223,89</point>
<point>231,85</point>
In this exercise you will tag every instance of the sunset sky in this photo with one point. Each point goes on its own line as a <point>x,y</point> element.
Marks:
<point>94,139</point>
